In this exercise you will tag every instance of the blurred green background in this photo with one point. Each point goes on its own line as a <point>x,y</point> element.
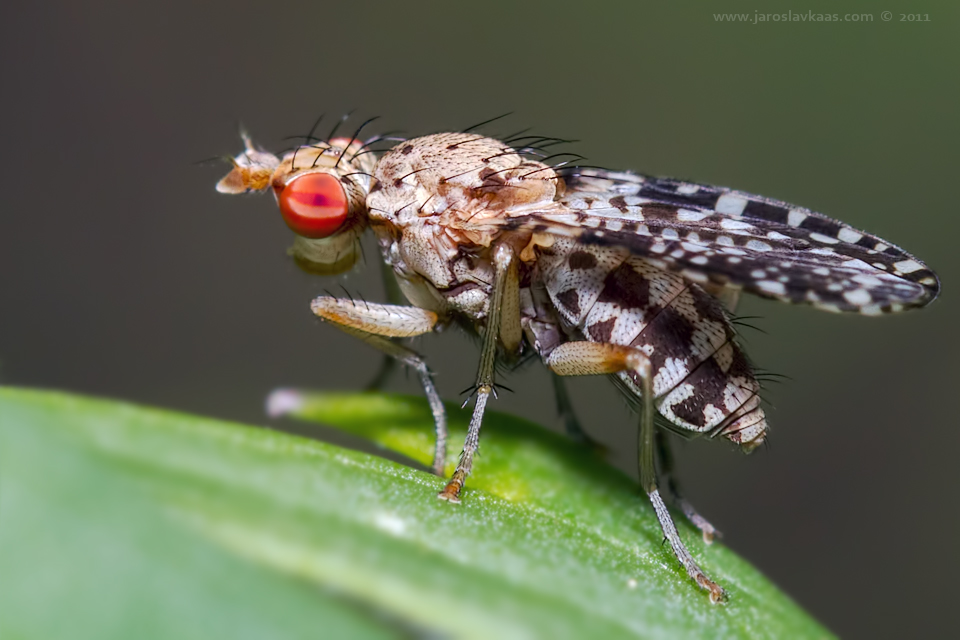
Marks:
<point>124,274</point>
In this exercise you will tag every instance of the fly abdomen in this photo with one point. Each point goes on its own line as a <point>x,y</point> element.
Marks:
<point>701,379</point>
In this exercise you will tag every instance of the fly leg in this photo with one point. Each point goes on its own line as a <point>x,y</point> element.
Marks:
<point>570,422</point>
<point>394,296</point>
<point>595,358</point>
<point>503,327</point>
<point>387,366</point>
<point>673,490</point>
<point>377,324</point>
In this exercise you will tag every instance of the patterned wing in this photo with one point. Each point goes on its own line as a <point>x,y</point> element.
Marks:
<point>713,235</point>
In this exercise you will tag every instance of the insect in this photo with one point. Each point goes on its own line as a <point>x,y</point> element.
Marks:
<point>596,272</point>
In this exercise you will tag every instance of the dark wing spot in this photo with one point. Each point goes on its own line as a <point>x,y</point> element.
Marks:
<point>602,331</point>
<point>626,288</point>
<point>765,211</point>
<point>665,191</point>
<point>406,149</point>
<point>582,260</point>
<point>620,203</point>
<point>656,210</point>
<point>821,225</point>
<point>570,300</point>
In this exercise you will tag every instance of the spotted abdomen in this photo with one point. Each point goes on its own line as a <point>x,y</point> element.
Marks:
<point>702,380</point>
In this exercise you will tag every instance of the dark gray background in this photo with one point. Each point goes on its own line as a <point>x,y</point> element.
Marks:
<point>124,274</point>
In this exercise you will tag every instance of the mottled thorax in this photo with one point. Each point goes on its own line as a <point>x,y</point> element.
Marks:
<point>430,203</point>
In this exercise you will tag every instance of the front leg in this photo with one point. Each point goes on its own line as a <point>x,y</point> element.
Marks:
<point>376,324</point>
<point>596,358</point>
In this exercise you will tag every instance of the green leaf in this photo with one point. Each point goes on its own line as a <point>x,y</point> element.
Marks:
<point>120,522</point>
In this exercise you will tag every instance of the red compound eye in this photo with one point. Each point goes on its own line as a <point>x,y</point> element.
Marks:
<point>314,205</point>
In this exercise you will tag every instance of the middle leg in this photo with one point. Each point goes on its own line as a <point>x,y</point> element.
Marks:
<point>565,410</point>
<point>395,297</point>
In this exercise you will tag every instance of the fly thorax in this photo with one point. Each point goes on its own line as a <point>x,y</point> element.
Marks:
<point>461,177</point>
<point>439,194</point>
<point>424,250</point>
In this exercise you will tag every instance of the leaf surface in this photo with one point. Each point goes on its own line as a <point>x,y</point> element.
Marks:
<point>120,521</point>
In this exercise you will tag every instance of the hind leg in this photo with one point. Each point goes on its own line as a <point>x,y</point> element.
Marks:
<point>673,491</point>
<point>596,358</point>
